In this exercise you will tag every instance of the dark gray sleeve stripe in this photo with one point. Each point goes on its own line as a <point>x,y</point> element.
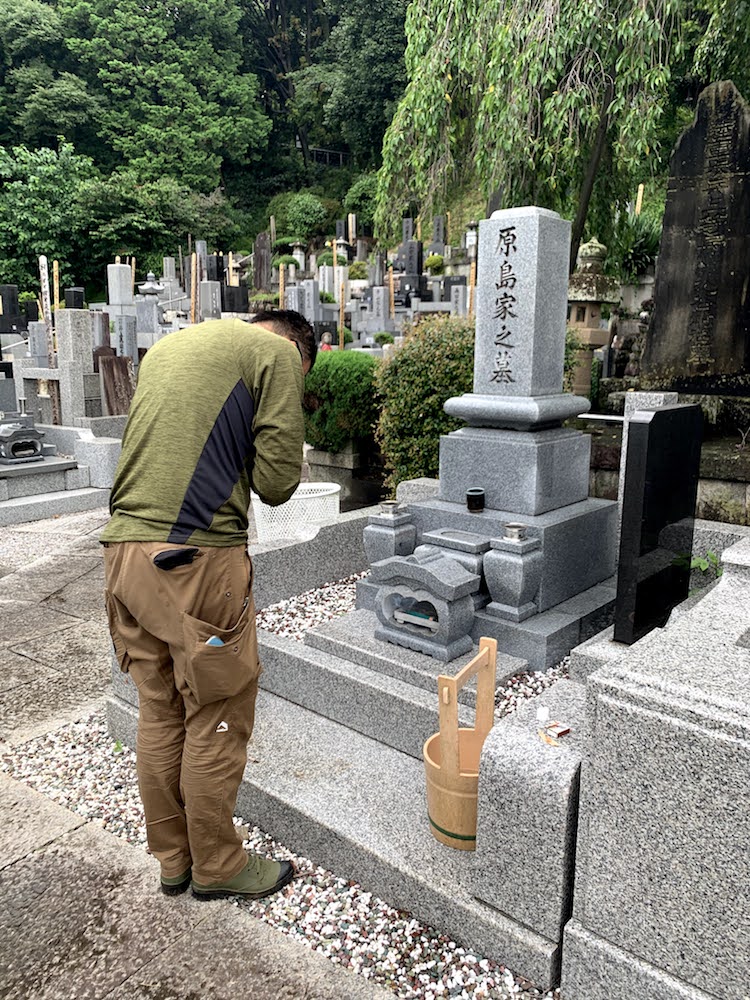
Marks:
<point>224,456</point>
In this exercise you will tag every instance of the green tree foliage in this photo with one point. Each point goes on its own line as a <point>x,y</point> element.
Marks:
<point>38,214</point>
<point>435,363</point>
<point>529,100</point>
<point>122,215</point>
<point>360,199</point>
<point>175,99</point>
<point>723,52</point>
<point>340,401</point>
<point>305,216</point>
<point>366,56</point>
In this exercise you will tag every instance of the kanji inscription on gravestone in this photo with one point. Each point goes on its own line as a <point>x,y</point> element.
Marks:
<point>521,303</point>
<point>700,323</point>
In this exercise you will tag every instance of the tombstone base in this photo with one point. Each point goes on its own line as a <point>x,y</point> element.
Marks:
<point>595,969</point>
<point>578,541</point>
<point>521,471</point>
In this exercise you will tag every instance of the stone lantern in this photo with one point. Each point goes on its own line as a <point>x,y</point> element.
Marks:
<point>588,290</point>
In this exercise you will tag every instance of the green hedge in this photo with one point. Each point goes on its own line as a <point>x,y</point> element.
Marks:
<point>435,363</point>
<point>340,402</point>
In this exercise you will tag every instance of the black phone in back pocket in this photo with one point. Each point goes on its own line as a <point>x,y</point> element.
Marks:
<point>170,558</point>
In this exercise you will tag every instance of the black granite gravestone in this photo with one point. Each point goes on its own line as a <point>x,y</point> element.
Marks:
<point>10,320</point>
<point>414,263</point>
<point>214,268</point>
<point>262,263</point>
<point>407,230</point>
<point>658,509</point>
<point>234,298</point>
<point>450,283</point>
<point>31,308</point>
<point>340,230</point>
<point>75,298</point>
<point>700,322</point>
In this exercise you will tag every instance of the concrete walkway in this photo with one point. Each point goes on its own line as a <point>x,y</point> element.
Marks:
<point>81,917</point>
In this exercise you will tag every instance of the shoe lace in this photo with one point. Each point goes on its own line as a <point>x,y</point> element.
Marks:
<point>255,863</point>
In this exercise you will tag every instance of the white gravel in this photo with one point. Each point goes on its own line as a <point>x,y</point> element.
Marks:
<point>83,768</point>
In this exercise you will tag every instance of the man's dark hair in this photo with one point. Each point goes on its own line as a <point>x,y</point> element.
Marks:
<point>293,325</point>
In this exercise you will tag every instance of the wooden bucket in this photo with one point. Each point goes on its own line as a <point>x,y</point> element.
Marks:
<point>451,757</point>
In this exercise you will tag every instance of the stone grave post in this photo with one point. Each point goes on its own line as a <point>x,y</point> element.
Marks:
<point>340,230</point>
<point>75,346</point>
<point>201,252</point>
<point>100,327</point>
<point>379,307</point>
<point>120,290</point>
<point>312,310</point>
<point>210,300</point>
<point>262,263</point>
<point>294,298</point>
<point>126,339</point>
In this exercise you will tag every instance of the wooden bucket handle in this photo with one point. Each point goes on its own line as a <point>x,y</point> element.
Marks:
<point>484,666</point>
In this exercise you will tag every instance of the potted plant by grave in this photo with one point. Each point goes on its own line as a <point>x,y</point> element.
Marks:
<point>340,414</point>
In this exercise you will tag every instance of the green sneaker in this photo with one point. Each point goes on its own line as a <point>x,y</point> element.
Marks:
<point>177,885</point>
<point>260,877</point>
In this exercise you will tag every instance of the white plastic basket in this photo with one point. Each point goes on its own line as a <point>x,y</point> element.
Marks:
<point>311,505</point>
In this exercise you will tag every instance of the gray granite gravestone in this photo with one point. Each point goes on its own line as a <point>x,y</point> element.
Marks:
<point>661,485</point>
<point>700,323</point>
<point>407,230</point>
<point>126,338</point>
<point>262,263</point>
<point>169,269</point>
<point>210,300</point>
<point>311,307</point>
<point>534,472</point>
<point>294,298</point>
<point>100,327</point>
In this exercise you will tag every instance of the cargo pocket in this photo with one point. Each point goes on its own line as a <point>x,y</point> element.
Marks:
<point>123,658</point>
<point>222,668</point>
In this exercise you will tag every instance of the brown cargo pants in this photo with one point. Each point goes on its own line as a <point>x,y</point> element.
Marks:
<point>197,701</point>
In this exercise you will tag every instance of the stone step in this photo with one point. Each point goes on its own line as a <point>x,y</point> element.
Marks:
<point>359,808</point>
<point>51,481</point>
<point>352,637</point>
<point>396,713</point>
<point>36,508</point>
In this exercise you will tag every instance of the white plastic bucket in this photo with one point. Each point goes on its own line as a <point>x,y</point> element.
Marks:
<point>311,505</point>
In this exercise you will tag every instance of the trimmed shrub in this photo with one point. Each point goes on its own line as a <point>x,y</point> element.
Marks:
<point>384,338</point>
<point>327,297</point>
<point>326,258</point>
<point>286,259</point>
<point>340,402</point>
<point>435,363</point>
<point>435,264</point>
<point>358,271</point>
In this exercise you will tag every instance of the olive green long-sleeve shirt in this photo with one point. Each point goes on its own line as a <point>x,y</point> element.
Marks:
<point>218,408</point>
